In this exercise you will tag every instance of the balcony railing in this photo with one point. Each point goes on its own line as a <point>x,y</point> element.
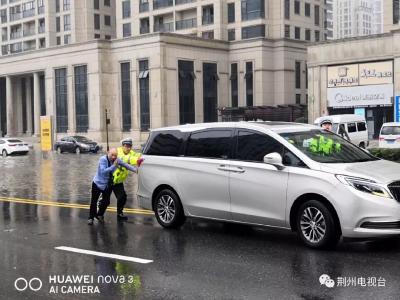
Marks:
<point>3,19</point>
<point>15,48</point>
<point>165,27</point>
<point>29,32</point>
<point>4,50</point>
<point>29,46</point>
<point>16,16</point>
<point>162,3</point>
<point>28,13</point>
<point>143,7</point>
<point>208,19</point>
<point>41,10</point>
<point>252,15</point>
<point>177,2</point>
<point>144,29</point>
<point>15,35</point>
<point>41,29</point>
<point>184,24</point>
<point>4,37</point>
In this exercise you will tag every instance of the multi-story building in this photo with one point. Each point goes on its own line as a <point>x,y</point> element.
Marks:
<point>329,19</point>
<point>35,24</point>
<point>352,18</point>
<point>172,62</point>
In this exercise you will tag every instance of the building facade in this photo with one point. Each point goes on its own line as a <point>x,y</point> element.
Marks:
<point>359,75</point>
<point>36,24</point>
<point>352,18</point>
<point>172,62</point>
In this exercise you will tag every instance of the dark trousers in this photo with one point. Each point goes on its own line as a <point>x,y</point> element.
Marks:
<point>96,192</point>
<point>119,192</point>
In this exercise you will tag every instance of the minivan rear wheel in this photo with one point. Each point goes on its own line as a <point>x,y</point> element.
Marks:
<point>316,226</point>
<point>168,209</point>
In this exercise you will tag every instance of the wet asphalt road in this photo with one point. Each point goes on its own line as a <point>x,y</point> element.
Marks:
<point>203,260</point>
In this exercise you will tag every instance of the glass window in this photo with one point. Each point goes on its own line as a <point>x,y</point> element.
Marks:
<point>126,30</point>
<point>57,5</point>
<point>395,130</point>
<point>126,9</point>
<point>186,91</point>
<point>326,147</point>
<point>298,98</point>
<point>167,143</point>
<point>396,11</point>
<point>297,7</point>
<point>210,92</point>
<point>107,3</point>
<point>308,35</point>
<point>307,9</point>
<point>316,15</point>
<point>231,12</point>
<point>96,4</point>
<point>81,99</point>
<point>249,83</point>
<point>231,34</point>
<point>252,9</point>
<point>234,84</point>
<point>66,5</point>
<point>298,74</point>
<point>287,31</point>
<point>144,95</point>
<point>351,127</point>
<point>67,22</point>
<point>361,126</point>
<point>96,21</point>
<point>210,144</point>
<point>61,100</point>
<point>287,9</point>
<point>126,95</point>
<point>58,24</point>
<point>317,37</point>
<point>253,146</point>
<point>107,20</point>
<point>67,39</point>
<point>297,33</point>
<point>253,32</point>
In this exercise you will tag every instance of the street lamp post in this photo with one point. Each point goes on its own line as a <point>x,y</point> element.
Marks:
<point>107,123</point>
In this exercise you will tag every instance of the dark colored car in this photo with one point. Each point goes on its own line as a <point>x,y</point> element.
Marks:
<point>76,144</point>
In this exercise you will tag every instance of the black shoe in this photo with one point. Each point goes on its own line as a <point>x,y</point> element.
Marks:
<point>90,222</point>
<point>121,217</point>
<point>100,219</point>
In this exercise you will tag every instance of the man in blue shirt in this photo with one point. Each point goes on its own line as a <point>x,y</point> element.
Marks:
<point>102,182</point>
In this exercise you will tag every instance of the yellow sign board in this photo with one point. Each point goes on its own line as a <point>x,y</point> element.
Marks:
<point>46,139</point>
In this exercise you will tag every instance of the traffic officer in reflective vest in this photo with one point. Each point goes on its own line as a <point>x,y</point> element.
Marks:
<point>127,155</point>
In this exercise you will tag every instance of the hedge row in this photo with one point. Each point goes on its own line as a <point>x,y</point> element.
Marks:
<point>385,153</point>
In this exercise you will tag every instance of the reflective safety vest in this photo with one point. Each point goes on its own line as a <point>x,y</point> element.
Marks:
<point>324,146</point>
<point>121,173</point>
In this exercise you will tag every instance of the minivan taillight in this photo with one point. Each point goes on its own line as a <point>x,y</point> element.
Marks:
<point>140,161</point>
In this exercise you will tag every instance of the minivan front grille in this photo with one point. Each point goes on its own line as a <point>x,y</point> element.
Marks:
<point>394,188</point>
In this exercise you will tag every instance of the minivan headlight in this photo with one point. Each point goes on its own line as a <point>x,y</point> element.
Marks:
<point>364,185</point>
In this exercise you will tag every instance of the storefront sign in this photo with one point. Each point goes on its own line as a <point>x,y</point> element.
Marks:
<point>359,111</point>
<point>369,95</point>
<point>376,73</point>
<point>341,76</point>
<point>397,109</point>
<point>46,140</point>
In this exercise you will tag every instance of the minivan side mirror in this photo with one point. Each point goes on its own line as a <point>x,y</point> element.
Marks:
<point>274,159</point>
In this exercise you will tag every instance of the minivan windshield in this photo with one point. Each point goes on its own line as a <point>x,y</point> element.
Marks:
<point>395,130</point>
<point>326,147</point>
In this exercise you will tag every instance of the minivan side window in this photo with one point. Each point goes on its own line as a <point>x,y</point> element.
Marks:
<point>210,144</point>
<point>167,143</point>
<point>361,126</point>
<point>351,127</point>
<point>252,146</point>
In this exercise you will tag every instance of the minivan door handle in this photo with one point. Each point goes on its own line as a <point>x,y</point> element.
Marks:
<point>238,170</point>
<point>224,168</point>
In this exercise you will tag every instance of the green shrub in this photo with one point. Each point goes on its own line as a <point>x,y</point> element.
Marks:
<point>386,153</point>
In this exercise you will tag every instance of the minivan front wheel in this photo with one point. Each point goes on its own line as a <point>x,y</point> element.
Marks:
<point>168,209</point>
<point>316,225</point>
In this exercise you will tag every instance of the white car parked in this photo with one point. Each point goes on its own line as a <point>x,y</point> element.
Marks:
<point>10,146</point>
<point>354,125</point>
<point>286,175</point>
<point>389,136</point>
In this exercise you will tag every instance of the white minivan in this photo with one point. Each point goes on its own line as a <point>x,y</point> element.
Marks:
<point>355,126</point>
<point>276,174</point>
<point>389,136</point>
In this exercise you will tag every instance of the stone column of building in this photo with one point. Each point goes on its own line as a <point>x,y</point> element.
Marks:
<point>95,102</point>
<point>28,101</point>
<point>10,107</point>
<point>36,104</point>
<point>71,101</point>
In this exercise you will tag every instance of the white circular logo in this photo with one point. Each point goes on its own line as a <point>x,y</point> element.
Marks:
<point>326,280</point>
<point>34,284</point>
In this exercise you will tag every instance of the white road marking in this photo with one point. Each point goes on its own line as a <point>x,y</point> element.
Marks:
<point>102,254</point>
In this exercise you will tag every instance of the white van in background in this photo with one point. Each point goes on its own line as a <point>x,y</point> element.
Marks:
<point>389,136</point>
<point>355,126</point>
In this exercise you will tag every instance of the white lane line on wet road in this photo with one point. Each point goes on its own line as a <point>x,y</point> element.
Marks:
<point>102,254</point>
